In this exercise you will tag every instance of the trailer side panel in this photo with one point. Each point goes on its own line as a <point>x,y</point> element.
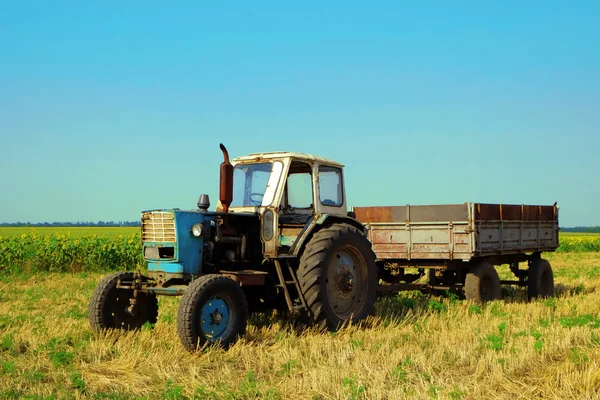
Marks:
<point>459,231</point>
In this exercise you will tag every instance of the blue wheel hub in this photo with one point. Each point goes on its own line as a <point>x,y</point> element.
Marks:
<point>214,318</point>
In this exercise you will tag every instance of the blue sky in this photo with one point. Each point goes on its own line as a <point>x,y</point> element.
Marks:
<point>110,108</point>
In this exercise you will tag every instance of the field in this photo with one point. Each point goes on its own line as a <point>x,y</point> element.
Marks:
<point>74,231</point>
<point>574,242</point>
<point>416,346</point>
<point>113,249</point>
<point>579,234</point>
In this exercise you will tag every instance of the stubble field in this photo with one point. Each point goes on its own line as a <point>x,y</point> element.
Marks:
<point>416,346</point>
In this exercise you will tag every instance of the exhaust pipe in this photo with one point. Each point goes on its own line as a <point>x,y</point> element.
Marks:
<point>226,183</point>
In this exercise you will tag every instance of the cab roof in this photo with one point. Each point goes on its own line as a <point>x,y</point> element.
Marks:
<point>285,154</point>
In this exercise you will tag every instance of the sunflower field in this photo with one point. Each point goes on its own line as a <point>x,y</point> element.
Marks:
<point>64,253</point>
<point>579,243</point>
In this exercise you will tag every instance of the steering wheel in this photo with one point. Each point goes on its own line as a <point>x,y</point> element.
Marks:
<point>254,201</point>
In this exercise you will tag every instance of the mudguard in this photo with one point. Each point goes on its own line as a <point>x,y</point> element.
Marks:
<point>314,224</point>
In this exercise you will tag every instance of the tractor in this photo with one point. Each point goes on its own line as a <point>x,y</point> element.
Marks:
<point>280,238</point>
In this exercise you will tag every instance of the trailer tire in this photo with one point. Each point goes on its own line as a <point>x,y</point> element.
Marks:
<point>482,283</point>
<point>540,279</point>
<point>108,305</point>
<point>338,276</point>
<point>213,309</point>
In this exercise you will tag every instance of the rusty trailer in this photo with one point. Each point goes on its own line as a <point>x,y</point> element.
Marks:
<point>455,241</point>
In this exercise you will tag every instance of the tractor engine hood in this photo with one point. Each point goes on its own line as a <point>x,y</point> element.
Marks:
<point>173,240</point>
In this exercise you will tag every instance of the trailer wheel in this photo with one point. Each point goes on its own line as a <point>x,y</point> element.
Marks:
<point>213,309</point>
<point>108,306</point>
<point>482,283</point>
<point>338,276</point>
<point>540,279</point>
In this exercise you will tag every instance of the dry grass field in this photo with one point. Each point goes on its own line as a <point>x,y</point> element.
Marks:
<point>417,346</point>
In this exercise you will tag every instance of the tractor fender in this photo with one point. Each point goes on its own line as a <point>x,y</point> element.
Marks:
<point>317,222</point>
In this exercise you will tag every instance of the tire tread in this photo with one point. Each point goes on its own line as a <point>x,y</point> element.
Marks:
<point>312,264</point>
<point>188,336</point>
<point>473,281</point>
<point>99,297</point>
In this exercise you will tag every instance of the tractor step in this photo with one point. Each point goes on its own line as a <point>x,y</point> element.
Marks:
<point>284,284</point>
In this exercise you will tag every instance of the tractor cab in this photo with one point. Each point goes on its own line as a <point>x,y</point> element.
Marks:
<point>290,192</point>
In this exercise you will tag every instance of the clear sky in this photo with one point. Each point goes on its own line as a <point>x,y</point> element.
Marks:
<point>110,108</point>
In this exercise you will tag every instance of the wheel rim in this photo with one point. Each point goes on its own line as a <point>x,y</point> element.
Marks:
<point>119,302</point>
<point>344,280</point>
<point>215,316</point>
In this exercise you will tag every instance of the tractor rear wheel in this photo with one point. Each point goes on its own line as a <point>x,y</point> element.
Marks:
<point>540,279</point>
<point>213,309</point>
<point>483,283</point>
<point>109,305</point>
<point>338,276</point>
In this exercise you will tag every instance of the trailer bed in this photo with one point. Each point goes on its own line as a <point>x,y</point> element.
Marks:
<point>459,231</point>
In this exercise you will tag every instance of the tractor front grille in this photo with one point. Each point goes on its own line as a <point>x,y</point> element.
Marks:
<point>158,226</point>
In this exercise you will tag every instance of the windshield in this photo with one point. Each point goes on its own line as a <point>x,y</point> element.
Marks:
<point>255,184</point>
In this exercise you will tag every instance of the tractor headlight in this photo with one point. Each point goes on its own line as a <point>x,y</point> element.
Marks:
<point>197,230</point>
<point>268,225</point>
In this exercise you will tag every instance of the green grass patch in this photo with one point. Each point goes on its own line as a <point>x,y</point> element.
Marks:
<point>588,320</point>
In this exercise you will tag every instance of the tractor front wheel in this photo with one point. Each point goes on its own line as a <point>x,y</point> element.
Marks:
<point>109,305</point>
<point>213,309</point>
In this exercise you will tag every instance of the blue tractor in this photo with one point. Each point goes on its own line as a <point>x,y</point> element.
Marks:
<point>281,237</point>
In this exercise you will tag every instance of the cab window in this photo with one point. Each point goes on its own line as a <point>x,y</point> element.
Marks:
<point>330,186</point>
<point>299,193</point>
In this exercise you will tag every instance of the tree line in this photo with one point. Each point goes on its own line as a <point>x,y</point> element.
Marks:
<point>586,229</point>
<point>79,223</point>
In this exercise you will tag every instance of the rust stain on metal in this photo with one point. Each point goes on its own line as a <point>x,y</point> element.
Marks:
<point>511,212</point>
<point>410,213</point>
<point>246,278</point>
<point>373,214</point>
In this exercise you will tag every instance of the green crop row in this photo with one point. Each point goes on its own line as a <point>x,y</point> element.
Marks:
<point>63,253</point>
<point>579,244</point>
